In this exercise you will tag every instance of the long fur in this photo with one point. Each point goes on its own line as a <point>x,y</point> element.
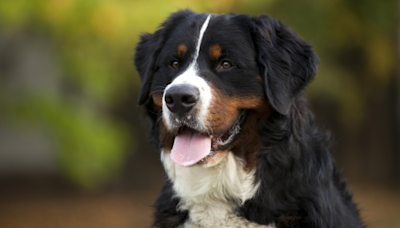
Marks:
<point>297,171</point>
<point>212,193</point>
<point>279,171</point>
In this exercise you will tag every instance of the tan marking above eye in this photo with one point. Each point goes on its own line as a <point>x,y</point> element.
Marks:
<point>182,50</point>
<point>215,52</point>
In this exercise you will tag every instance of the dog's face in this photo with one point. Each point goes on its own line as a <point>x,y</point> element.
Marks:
<point>212,78</point>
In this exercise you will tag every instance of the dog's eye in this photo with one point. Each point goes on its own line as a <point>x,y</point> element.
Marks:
<point>226,64</point>
<point>175,64</point>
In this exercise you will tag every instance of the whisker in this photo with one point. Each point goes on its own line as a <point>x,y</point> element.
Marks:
<point>158,120</point>
<point>158,89</point>
<point>209,124</point>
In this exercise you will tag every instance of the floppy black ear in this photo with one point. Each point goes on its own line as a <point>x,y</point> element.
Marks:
<point>287,62</point>
<point>148,49</point>
<point>145,61</point>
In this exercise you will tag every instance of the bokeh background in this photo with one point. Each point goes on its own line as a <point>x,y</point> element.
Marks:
<point>74,150</point>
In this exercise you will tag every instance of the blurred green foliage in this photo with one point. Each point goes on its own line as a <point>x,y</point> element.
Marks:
<point>93,43</point>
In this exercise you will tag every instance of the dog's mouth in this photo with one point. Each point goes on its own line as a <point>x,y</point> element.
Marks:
<point>193,147</point>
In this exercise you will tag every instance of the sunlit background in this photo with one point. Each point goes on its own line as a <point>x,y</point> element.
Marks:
<point>74,150</point>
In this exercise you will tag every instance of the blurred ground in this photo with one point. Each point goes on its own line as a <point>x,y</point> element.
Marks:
<point>379,206</point>
<point>39,204</point>
<point>49,205</point>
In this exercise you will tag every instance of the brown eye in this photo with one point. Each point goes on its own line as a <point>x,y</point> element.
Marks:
<point>226,65</point>
<point>175,64</point>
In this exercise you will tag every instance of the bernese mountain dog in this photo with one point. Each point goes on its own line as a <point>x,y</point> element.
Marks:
<point>238,144</point>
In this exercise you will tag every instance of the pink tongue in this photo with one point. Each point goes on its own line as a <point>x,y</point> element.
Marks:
<point>190,147</point>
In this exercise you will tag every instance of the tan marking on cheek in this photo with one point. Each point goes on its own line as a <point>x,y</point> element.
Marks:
<point>221,114</point>
<point>215,52</point>
<point>248,102</point>
<point>224,110</point>
<point>181,50</point>
<point>157,99</point>
<point>166,138</point>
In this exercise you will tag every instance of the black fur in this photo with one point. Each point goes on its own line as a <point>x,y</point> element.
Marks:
<point>287,63</point>
<point>166,214</point>
<point>299,184</point>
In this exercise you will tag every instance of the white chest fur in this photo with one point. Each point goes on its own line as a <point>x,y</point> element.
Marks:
<point>212,194</point>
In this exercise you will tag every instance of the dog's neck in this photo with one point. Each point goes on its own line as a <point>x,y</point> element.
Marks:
<point>224,182</point>
<point>211,194</point>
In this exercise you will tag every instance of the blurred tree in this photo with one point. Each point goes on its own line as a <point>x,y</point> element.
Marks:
<point>88,43</point>
<point>397,87</point>
<point>92,43</point>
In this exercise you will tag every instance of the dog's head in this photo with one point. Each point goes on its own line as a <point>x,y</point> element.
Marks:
<point>211,78</point>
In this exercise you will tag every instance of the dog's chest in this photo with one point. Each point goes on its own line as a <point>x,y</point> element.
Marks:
<point>212,195</point>
<point>216,215</point>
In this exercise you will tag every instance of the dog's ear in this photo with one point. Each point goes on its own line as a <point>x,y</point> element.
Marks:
<point>287,63</point>
<point>148,49</point>
<point>145,59</point>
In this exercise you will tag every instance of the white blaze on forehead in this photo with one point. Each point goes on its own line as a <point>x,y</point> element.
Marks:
<point>202,30</point>
<point>191,77</point>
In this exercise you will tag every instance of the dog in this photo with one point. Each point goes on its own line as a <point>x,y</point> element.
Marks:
<point>238,144</point>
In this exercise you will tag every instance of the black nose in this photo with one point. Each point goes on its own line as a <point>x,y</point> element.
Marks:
<point>180,99</point>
